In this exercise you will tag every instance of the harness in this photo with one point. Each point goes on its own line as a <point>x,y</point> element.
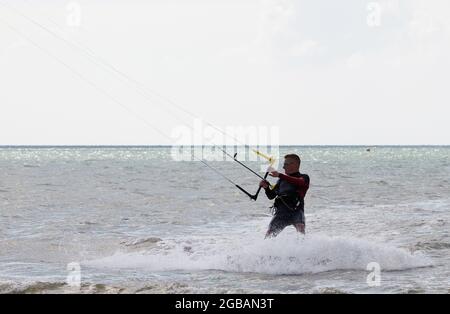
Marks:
<point>288,196</point>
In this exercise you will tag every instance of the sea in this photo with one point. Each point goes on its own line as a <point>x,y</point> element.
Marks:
<point>137,220</point>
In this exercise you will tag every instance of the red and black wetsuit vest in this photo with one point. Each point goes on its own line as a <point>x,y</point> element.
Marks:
<point>289,193</point>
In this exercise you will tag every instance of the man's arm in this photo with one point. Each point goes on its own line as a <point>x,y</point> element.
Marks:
<point>271,193</point>
<point>300,182</point>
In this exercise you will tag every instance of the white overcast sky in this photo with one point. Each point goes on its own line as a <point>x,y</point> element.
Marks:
<point>322,71</point>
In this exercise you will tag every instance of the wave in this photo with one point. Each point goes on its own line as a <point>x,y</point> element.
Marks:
<point>330,290</point>
<point>31,166</point>
<point>280,256</point>
<point>142,241</point>
<point>51,287</point>
<point>432,245</point>
<point>152,287</point>
<point>29,287</point>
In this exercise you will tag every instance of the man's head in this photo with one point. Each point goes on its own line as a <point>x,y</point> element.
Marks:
<point>291,164</point>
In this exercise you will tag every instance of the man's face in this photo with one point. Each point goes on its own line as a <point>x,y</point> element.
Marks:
<point>290,166</point>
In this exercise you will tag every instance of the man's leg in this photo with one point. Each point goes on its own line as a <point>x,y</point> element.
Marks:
<point>276,225</point>
<point>300,227</point>
<point>271,233</point>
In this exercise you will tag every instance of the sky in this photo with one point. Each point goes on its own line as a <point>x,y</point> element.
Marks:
<point>170,72</point>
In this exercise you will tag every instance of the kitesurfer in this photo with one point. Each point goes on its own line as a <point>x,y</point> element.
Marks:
<point>289,194</point>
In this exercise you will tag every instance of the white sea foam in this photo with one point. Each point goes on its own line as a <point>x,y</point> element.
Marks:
<point>314,254</point>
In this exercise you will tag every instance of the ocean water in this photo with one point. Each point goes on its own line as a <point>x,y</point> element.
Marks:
<point>133,220</point>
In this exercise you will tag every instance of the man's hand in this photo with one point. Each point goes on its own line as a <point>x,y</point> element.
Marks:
<point>264,184</point>
<point>275,174</point>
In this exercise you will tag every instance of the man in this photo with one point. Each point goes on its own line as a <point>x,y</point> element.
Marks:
<point>289,194</point>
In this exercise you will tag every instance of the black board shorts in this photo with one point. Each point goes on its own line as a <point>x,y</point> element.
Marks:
<point>284,219</point>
